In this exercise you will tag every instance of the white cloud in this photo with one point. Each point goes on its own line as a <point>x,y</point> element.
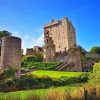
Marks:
<point>28,40</point>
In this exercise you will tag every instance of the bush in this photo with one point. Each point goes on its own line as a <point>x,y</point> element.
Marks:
<point>41,65</point>
<point>30,82</point>
<point>10,72</point>
<point>84,77</point>
<point>95,77</point>
<point>33,58</point>
<point>95,50</point>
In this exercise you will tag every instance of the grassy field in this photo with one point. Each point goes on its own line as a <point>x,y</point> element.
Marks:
<point>61,93</point>
<point>42,94</point>
<point>56,74</point>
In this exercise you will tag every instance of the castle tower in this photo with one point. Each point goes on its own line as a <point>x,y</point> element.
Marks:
<point>62,33</point>
<point>49,48</point>
<point>11,54</point>
<point>60,45</point>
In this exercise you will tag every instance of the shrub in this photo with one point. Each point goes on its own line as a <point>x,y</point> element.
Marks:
<point>36,62</point>
<point>95,50</point>
<point>10,72</point>
<point>84,77</point>
<point>95,77</point>
<point>34,82</point>
<point>33,58</point>
<point>41,65</point>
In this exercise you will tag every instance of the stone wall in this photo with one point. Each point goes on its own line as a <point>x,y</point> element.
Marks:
<point>38,49</point>
<point>11,53</point>
<point>71,59</point>
<point>75,55</point>
<point>30,51</point>
<point>61,56</point>
<point>33,51</point>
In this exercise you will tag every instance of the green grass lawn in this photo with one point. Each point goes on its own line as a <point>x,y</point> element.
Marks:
<point>41,93</point>
<point>56,74</point>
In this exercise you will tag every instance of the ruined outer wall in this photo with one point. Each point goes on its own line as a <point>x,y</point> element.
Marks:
<point>11,53</point>
<point>75,54</point>
<point>30,51</point>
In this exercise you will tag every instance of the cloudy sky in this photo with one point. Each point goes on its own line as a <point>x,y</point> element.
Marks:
<point>26,18</point>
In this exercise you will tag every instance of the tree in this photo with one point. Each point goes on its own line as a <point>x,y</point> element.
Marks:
<point>83,51</point>
<point>4,33</point>
<point>95,76</point>
<point>95,50</point>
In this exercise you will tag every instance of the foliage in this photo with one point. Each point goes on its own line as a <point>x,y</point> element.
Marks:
<point>4,33</point>
<point>86,59</point>
<point>89,62</point>
<point>10,72</point>
<point>84,77</point>
<point>40,65</point>
<point>95,76</point>
<point>40,54</point>
<point>95,50</point>
<point>35,82</point>
<point>83,51</point>
<point>36,62</point>
<point>32,58</point>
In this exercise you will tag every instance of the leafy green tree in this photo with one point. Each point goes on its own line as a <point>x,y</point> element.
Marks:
<point>95,50</point>
<point>95,76</point>
<point>4,33</point>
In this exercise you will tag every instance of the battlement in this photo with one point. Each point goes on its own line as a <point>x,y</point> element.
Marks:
<point>11,38</point>
<point>51,24</point>
<point>55,22</point>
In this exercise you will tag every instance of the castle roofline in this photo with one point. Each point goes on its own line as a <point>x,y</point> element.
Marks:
<point>54,22</point>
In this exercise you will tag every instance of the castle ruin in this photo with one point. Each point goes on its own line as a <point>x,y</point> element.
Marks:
<point>11,54</point>
<point>33,51</point>
<point>60,45</point>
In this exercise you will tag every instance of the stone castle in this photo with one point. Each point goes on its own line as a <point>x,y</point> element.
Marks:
<point>60,45</point>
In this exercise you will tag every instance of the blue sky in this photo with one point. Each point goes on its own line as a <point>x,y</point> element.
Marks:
<point>26,18</point>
